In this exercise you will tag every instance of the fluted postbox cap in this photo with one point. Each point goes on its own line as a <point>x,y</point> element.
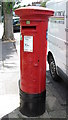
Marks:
<point>33,11</point>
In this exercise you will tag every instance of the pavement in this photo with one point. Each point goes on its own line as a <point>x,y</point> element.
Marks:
<point>9,77</point>
<point>9,88</point>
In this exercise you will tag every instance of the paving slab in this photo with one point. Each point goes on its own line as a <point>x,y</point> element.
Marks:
<point>58,114</point>
<point>53,104</point>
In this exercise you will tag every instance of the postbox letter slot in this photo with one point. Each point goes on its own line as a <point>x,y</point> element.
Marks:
<point>29,27</point>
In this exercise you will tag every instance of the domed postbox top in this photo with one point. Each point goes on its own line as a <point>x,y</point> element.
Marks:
<point>33,10</point>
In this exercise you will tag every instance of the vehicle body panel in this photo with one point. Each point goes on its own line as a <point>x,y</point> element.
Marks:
<point>58,34</point>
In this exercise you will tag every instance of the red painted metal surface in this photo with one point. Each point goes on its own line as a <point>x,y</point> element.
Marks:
<point>34,23</point>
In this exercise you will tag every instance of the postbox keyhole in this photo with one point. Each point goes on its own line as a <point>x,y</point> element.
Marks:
<point>38,61</point>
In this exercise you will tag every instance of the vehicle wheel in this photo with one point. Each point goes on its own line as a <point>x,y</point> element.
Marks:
<point>52,67</point>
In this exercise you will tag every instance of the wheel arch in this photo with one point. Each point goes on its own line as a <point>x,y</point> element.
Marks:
<point>49,55</point>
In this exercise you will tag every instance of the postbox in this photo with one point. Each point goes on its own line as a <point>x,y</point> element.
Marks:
<point>33,49</point>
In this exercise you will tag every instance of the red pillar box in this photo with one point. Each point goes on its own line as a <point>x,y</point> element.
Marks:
<point>33,48</point>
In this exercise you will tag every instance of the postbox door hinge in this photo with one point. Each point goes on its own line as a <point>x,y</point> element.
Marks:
<point>20,36</point>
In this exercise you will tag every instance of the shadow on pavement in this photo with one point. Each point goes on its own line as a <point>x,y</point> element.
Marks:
<point>13,114</point>
<point>7,50</point>
<point>16,114</point>
<point>8,55</point>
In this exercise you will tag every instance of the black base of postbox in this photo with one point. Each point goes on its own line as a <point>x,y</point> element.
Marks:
<point>32,105</point>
